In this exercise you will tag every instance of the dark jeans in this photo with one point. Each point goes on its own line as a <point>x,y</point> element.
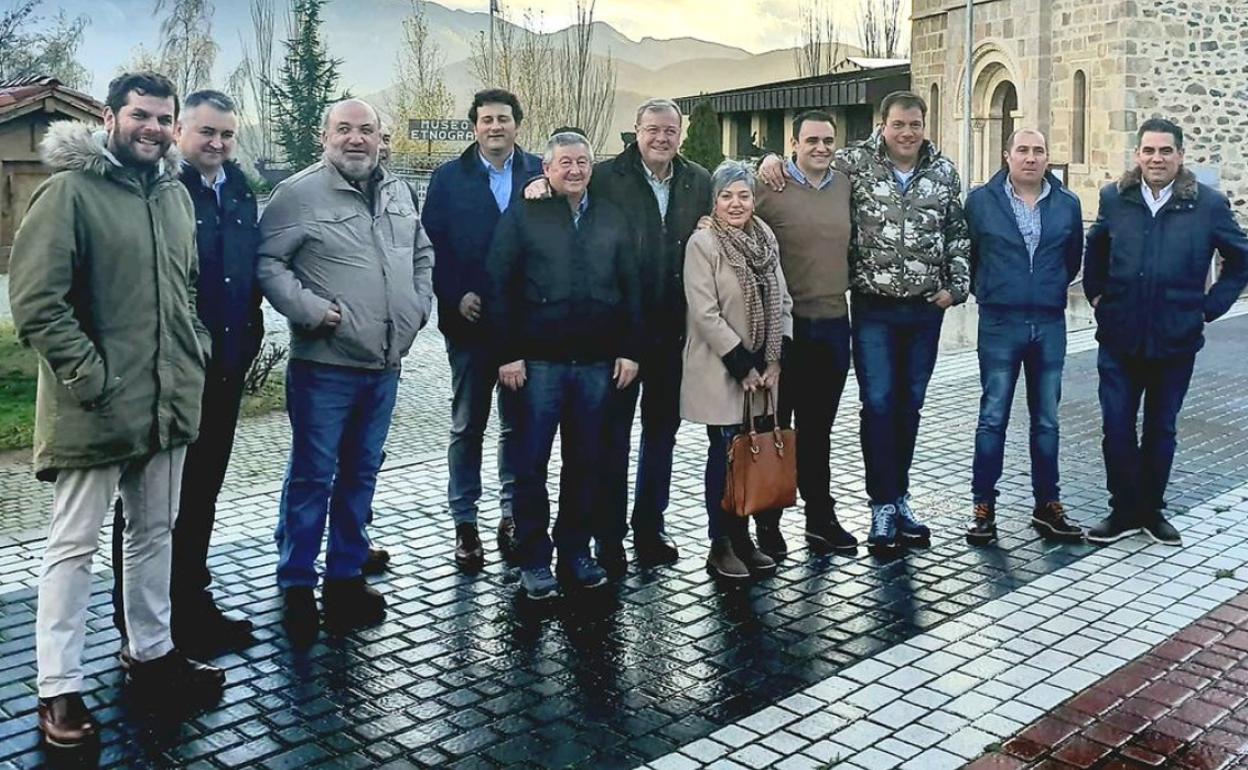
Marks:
<point>721,523</point>
<point>474,374</point>
<point>570,398</point>
<point>1137,471</point>
<point>894,344</point>
<point>339,418</point>
<point>810,393</point>
<point>1038,345</point>
<point>202,477</point>
<point>659,388</point>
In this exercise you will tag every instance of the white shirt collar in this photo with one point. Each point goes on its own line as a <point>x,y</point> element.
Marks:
<point>1162,198</point>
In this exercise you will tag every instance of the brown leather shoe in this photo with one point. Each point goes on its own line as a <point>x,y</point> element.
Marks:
<point>65,721</point>
<point>469,553</point>
<point>507,539</point>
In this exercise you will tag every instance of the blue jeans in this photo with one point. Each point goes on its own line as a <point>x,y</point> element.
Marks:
<point>339,418</point>
<point>659,390</point>
<point>810,391</point>
<point>570,398</point>
<point>894,346</point>
<point>474,374</point>
<point>1137,469</point>
<point>721,523</point>
<point>1038,345</point>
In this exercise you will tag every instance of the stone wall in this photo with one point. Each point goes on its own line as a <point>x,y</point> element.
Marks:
<point>1188,61</point>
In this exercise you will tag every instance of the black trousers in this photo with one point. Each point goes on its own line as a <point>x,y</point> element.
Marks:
<point>202,477</point>
<point>811,384</point>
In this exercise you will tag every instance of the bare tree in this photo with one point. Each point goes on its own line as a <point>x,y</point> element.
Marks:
<point>818,46</point>
<point>558,84</point>
<point>31,46</point>
<point>141,58</point>
<point>248,85</point>
<point>880,28</point>
<point>419,90</point>
<point>187,50</point>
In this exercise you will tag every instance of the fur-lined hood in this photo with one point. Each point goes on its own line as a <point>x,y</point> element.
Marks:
<point>73,146</point>
<point>1186,186</point>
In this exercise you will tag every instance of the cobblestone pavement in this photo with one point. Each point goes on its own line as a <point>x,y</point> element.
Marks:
<point>919,662</point>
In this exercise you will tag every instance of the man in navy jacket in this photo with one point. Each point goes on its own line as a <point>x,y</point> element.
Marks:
<point>1026,243</point>
<point>462,208</point>
<point>228,303</point>
<point>1146,272</point>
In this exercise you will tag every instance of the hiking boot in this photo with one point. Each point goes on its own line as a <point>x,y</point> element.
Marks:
<point>300,616</point>
<point>909,528</point>
<point>507,539</point>
<point>723,561</point>
<point>654,550</point>
<point>377,562</point>
<point>771,541</point>
<point>1162,531</point>
<point>175,681</point>
<point>582,571</point>
<point>65,721</point>
<point>1111,529</point>
<point>1050,520</point>
<point>352,603</point>
<point>983,528</point>
<point>883,526</point>
<point>755,559</point>
<point>612,559</point>
<point>469,553</point>
<point>538,583</point>
<point>826,534</point>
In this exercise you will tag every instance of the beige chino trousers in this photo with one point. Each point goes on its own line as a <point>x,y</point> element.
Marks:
<point>81,499</point>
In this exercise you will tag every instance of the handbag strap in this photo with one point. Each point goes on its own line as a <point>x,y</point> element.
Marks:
<point>749,419</point>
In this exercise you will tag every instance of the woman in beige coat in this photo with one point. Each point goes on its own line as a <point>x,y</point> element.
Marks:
<point>739,314</point>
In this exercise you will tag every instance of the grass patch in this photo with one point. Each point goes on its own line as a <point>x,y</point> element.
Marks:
<point>19,371</point>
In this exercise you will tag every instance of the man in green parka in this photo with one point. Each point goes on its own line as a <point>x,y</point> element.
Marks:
<point>102,283</point>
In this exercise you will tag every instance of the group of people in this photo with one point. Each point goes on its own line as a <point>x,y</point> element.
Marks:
<point>571,291</point>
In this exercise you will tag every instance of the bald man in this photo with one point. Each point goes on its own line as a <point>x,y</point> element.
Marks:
<point>344,258</point>
<point>1026,245</point>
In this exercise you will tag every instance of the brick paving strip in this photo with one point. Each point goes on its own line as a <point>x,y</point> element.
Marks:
<point>1178,705</point>
<point>943,698</point>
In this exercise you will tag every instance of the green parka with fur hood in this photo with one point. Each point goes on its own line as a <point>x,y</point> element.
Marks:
<point>102,283</point>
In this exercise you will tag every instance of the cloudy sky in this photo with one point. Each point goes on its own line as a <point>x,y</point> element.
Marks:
<point>755,25</point>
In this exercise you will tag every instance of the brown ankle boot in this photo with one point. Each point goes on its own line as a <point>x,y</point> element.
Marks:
<point>65,721</point>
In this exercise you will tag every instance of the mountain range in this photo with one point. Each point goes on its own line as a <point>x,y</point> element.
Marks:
<point>366,34</point>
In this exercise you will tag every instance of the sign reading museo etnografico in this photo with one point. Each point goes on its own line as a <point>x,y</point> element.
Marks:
<point>439,130</point>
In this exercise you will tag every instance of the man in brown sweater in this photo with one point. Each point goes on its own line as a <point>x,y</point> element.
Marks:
<point>811,221</point>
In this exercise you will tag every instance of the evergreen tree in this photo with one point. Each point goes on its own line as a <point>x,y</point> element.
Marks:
<point>704,142</point>
<point>306,85</point>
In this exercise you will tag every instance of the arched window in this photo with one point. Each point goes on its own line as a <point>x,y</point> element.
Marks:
<point>1079,119</point>
<point>933,115</point>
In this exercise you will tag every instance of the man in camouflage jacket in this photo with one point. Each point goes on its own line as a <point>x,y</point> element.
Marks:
<point>909,262</point>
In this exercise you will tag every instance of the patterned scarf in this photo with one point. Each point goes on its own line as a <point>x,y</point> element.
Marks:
<point>753,254</point>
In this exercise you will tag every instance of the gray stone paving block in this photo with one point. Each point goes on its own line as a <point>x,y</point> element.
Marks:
<point>800,762</point>
<point>733,736</point>
<point>934,759</point>
<point>874,759</point>
<point>898,714</point>
<point>860,735</point>
<point>767,721</point>
<point>873,696</point>
<point>817,725</point>
<point>968,742</point>
<point>756,755</point>
<point>705,750</point>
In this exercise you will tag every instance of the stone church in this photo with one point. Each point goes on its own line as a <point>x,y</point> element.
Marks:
<point>1087,73</point>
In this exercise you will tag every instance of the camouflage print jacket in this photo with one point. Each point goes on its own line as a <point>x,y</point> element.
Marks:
<point>910,244</point>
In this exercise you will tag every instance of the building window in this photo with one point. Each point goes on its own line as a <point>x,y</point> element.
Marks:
<point>1079,119</point>
<point>933,114</point>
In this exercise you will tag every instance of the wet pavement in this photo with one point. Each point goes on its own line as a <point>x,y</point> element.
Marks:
<point>834,662</point>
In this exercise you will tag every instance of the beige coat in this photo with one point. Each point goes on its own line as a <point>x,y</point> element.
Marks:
<point>716,324</point>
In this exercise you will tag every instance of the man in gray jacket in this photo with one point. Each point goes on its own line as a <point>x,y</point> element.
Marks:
<point>344,258</point>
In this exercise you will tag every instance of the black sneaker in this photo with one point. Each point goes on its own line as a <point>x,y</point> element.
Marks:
<point>771,541</point>
<point>352,603</point>
<point>910,530</point>
<point>826,534</point>
<point>612,559</point>
<point>1050,520</point>
<point>175,681</point>
<point>581,572</point>
<point>654,550</point>
<point>1162,531</point>
<point>1111,529</point>
<point>300,616</point>
<point>983,528</point>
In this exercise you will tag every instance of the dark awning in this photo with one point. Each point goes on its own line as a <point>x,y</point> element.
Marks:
<point>822,91</point>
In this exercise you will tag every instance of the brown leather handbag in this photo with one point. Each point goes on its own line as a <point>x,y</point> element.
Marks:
<point>762,467</point>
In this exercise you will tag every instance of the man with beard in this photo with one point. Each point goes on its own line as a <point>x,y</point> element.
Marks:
<point>229,306</point>
<point>103,281</point>
<point>344,258</point>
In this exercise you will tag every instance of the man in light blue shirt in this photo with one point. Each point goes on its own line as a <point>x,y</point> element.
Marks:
<point>500,178</point>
